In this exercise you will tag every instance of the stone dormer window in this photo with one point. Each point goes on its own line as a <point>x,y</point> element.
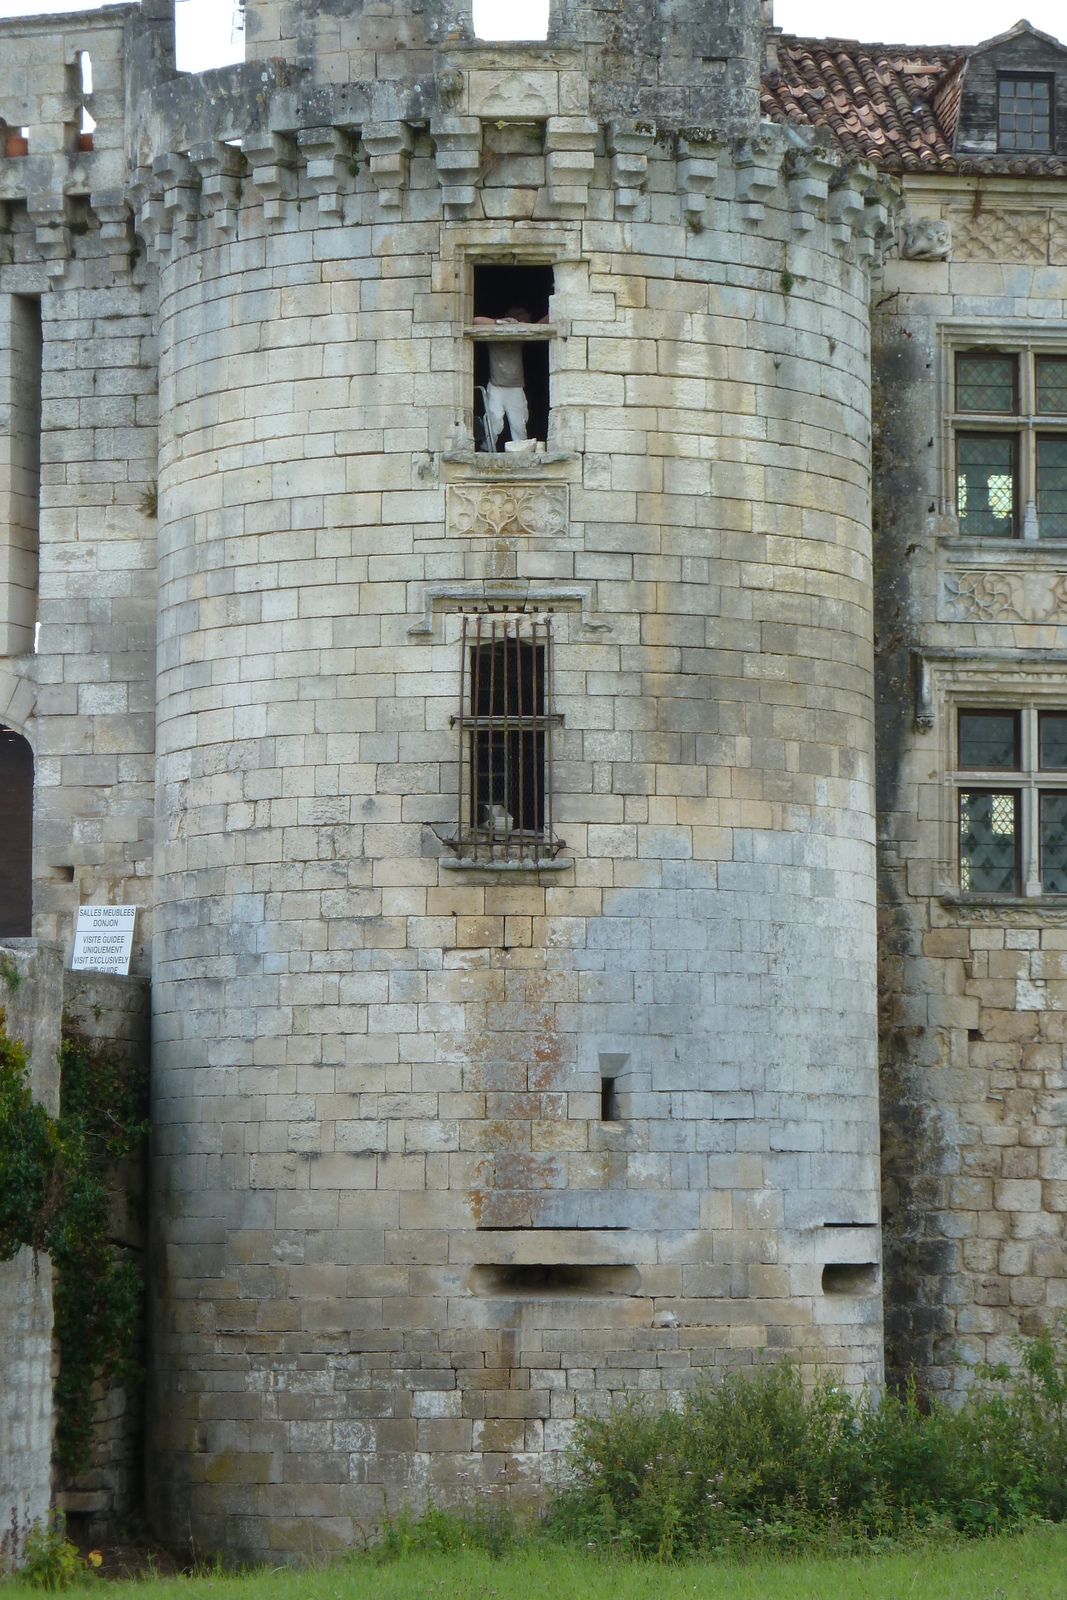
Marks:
<point>1025,112</point>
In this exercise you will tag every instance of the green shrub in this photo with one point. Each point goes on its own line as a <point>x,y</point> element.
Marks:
<point>751,1462</point>
<point>486,1524</point>
<point>50,1561</point>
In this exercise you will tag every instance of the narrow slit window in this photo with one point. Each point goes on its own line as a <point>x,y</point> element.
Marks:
<point>505,729</point>
<point>609,1101</point>
<point>16,824</point>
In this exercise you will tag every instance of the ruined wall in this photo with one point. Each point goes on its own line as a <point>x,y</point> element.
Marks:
<point>395,1238</point>
<point>973,1081</point>
<point>30,992</point>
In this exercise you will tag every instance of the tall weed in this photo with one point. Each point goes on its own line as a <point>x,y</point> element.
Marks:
<point>753,1462</point>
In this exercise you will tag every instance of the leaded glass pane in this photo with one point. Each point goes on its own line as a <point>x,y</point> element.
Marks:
<point>1052,386</point>
<point>1024,119</point>
<point>1054,843</point>
<point>989,739</point>
<point>1052,487</point>
<point>985,484</point>
<point>985,383</point>
<point>987,843</point>
<point>1052,739</point>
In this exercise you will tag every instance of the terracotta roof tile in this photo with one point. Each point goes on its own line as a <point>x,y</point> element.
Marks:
<point>893,104</point>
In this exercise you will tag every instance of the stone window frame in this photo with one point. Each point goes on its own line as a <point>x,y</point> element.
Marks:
<point>1026,345</point>
<point>966,679</point>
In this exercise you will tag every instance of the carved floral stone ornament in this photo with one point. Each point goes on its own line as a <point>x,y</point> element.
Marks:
<point>496,509</point>
<point>1038,596</point>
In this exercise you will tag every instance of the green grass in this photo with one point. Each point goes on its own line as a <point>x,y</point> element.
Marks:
<point>1029,1566</point>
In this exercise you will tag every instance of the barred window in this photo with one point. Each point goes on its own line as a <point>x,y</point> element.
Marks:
<point>505,727</point>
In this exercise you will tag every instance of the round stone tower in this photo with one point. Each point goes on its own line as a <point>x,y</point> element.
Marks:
<point>514,973</point>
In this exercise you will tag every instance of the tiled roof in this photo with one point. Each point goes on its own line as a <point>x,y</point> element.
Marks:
<point>893,104</point>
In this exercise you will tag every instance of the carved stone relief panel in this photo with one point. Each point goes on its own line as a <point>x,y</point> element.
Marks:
<point>1021,236</point>
<point>500,510</point>
<point>1057,244</point>
<point>1038,596</point>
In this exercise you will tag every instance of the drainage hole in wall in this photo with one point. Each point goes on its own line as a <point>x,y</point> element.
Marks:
<point>558,1278</point>
<point>849,1277</point>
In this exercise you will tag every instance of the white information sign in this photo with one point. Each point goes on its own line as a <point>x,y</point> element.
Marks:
<point>103,939</point>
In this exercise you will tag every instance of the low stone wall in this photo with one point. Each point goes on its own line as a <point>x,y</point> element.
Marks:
<point>30,992</point>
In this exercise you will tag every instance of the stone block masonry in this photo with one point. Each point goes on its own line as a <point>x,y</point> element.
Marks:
<point>445,1149</point>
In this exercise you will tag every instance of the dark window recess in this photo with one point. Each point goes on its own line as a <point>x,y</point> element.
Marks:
<point>989,842</point>
<point>989,740</point>
<point>1052,386</point>
<point>1052,487</point>
<point>1024,113</point>
<point>985,484</point>
<point>505,765</point>
<point>16,830</point>
<point>609,1101</point>
<point>563,1278</point>
<point>1053,843</point>
<point>850,1277</point>
<point>499,290</point>
<point>986,383</point>
<point>1052,740</point>
<point>521,292</point>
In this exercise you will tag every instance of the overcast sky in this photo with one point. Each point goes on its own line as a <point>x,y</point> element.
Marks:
<point>207,37</point>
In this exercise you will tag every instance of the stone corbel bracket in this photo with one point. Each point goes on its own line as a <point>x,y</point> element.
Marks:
<point>388,146</point>
<point>457,154</point>
<point>874,229</point>
<point>570,150</point>
<point>757,167</point>
<point>272,159</point>
<point>221,168</point>
<point>697,159</point>
<point>330,158</point>
<point>50,216</point>
<point>628,146</point>
<point>181,197</point>
<point>110,206</point>
<point>145,194</point>
<point>809,175</point>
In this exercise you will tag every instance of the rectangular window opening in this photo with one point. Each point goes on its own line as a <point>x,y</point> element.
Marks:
<point>609,1101</point>
<point>505,726</point>
<point>989,841</point>
<point>1024,112</point>
<point>1052,486</point>
<point>1052,386</point>
<point>511,376</point>
<point>987,383</point>
<point>989,740</point>
<point>985,484</point>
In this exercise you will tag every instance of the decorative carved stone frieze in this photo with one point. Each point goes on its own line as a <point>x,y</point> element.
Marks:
<point>993,235</point>
<point>1057,239</point>
<point>494,510</point>
<point>1038,595</point>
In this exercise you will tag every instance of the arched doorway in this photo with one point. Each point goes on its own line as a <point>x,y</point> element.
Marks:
<point>16,835</point>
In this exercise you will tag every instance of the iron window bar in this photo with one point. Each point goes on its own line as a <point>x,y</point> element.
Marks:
<point>504,790</point>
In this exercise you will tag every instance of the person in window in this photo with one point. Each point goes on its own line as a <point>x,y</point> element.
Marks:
<point>505,392</point>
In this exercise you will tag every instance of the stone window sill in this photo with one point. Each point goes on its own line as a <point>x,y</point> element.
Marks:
<point>1007,902</point>
<point>527,864</point>
<point>502,464</point>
